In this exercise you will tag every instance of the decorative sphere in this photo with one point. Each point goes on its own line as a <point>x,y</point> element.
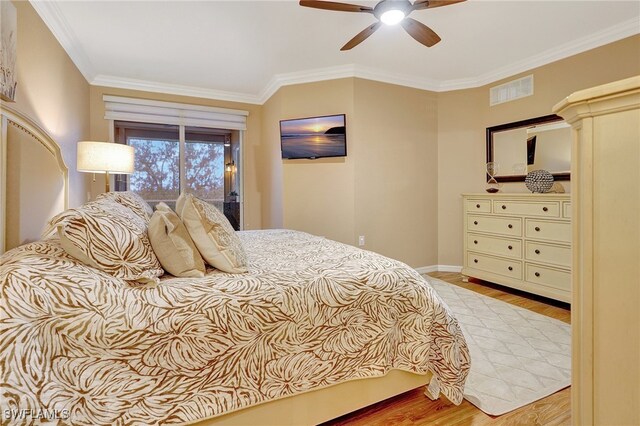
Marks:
<point>539,181</point>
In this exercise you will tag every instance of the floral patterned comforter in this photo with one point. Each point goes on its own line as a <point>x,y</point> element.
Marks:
<point>82,347</point>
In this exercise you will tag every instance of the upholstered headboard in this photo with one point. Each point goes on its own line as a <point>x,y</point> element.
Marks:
<point>34,180</point>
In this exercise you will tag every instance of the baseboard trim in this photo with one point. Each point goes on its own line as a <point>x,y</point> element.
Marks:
<point>438,268</point>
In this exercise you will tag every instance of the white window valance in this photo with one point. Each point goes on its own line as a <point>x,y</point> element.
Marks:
<point>149,111</point>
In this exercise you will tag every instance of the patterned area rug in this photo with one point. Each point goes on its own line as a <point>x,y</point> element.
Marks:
<point>517,356</point>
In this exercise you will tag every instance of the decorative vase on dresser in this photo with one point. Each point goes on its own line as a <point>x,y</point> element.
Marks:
<point>521,241</point>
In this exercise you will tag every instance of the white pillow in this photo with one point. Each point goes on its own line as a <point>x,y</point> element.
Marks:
<point>212,234</point>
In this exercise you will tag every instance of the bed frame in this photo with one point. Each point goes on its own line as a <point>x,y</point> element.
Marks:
<point>309,408</point>
<point>43,156</point>
<point>317,406</point>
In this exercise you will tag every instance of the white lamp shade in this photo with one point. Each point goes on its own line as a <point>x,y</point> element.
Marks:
<point>101,157</point>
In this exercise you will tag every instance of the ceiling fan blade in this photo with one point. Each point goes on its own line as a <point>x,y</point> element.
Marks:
<point>361,36</point>
<point>340,7</point>
<point>430,4</point>
<point>420,32</point>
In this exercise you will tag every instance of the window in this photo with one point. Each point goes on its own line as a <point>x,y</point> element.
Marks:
<point>205,164</point>
<point>171,159</point>
<point>157,147</point>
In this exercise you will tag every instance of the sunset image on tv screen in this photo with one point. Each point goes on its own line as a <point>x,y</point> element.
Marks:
<point>314,137</point>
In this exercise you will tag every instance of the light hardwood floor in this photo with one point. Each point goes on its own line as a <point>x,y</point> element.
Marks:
<point>414,408</point>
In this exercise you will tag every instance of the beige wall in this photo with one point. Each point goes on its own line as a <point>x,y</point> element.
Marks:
<point>385,189</point>
<point>254,190</point>
<point>52,92</point>
<point>270,171</point>
<point>317,195</point>
<point>396,171</point>
<point>463,116</point>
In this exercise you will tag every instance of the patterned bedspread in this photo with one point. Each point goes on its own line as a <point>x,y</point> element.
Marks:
<point>81,346</point>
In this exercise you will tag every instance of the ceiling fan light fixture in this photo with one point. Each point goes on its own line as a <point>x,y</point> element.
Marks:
<point>388,12</point>
<point>392,16</point>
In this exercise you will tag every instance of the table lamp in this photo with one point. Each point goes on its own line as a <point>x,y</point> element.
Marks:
<point>105,157</point>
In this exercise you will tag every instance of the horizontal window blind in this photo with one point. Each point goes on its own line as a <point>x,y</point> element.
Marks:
<point>149,111</point>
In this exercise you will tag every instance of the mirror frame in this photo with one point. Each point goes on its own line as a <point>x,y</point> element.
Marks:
<point>515,125</point>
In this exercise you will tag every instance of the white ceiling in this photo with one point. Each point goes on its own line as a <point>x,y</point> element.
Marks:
<point>245,50</point>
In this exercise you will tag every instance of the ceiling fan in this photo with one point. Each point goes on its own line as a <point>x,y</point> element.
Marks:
<point>390,12</point>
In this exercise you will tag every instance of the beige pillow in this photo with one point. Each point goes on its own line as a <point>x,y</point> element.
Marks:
<point>173,245</point>
<point>212,234</point>
<point>112,238</point>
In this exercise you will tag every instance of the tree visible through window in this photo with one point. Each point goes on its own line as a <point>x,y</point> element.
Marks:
<point>158,174</point>
<point>205,168</point>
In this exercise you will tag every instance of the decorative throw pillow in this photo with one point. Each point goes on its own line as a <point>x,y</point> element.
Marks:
<point>172,244</point>
<point>131,200</point>
<point>52,226</point>
<point>110,237</point>
<point>103,204</point>
<point>212,234</point>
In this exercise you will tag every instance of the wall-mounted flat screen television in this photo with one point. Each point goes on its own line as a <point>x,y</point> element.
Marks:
<point>314,137</point>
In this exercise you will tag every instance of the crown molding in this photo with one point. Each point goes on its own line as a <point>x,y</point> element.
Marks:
<point>623,30</point>
<point>592,41</point>
<point>308,76</point>
<point>173,89</point>
<point>52,16</point>
<point>397,78</point>
<point>344,71</point>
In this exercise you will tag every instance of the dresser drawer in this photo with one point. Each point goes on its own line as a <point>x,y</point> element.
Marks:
<point>545,253</point>
<point>494,245</point>
<point>480,206</point>
<point>547,230</point>
<point>527,208</point>
<point>549,277</point>
<point>511,226</point>
<point>496,265</point>
<point>566,209</point>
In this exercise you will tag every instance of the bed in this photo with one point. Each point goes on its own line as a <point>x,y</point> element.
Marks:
<point>315,329</point>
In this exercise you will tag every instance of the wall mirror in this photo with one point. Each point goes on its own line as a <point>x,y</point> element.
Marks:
<point>542,143</point>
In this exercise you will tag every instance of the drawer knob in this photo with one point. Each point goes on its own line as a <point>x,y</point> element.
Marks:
<point>510,226</point>
<point>537,274</point>
<point>475,260</point>
<point>504,207</point>
<point>510,247</point>
<point>477,206</point>
<point>537,251</point>
<point>544,209</point>
<point>475,222</point>
<point>475,241</point>
<point>537,228</point>
<point>510,268</point>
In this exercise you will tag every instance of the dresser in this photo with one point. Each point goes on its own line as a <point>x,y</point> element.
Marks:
<point>605,312</point>
<point>521,241</point>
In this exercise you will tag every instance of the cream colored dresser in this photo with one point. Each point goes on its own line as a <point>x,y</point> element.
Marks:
<point>519,240</point>
<point>605,313</point>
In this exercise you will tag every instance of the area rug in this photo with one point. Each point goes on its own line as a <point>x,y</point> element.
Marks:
<point>517,356</point>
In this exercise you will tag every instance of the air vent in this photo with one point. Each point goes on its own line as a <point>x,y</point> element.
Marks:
<point>512,90</point>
